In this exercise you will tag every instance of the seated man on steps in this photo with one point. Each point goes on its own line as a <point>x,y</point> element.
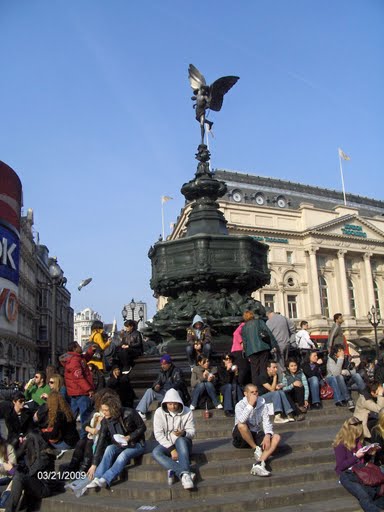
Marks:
<point>253,429</point>
<point>169,377</point>
<point>271,391</point>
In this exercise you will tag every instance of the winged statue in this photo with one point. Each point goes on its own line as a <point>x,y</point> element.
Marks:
<point>208,96</point>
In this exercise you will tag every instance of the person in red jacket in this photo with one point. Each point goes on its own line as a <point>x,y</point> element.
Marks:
<point>79,382</point>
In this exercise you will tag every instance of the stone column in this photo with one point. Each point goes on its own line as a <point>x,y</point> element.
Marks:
<point>369,280</point>
<point>343,283</point>
<point>280,300</point>
<point>314,281</point>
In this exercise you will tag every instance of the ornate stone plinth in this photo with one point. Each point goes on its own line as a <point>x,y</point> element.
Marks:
<point>207,272</point>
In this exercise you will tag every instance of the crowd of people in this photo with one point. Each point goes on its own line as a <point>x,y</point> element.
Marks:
<point>258,382</point>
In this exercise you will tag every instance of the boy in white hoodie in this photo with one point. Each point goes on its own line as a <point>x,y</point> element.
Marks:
<point>174,429</point>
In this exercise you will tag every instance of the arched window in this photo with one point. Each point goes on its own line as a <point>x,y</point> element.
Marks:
<point>376,294</point>
<point>324,296</point>
<point>351,296</point>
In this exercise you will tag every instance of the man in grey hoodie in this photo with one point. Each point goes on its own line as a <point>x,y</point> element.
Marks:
<point>174,429</point>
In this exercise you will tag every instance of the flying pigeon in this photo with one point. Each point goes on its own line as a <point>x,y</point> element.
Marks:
<point>84,282</point>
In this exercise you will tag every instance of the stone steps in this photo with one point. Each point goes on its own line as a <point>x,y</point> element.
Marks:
<point>303,477</point>
<point>303,469</point>
<point>277,498</point>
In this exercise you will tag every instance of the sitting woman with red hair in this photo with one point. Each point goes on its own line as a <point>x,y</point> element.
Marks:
<point>57,423</point>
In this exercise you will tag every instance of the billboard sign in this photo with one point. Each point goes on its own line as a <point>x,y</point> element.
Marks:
<point>10,204</point>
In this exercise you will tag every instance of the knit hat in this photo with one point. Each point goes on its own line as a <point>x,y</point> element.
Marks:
<point>166,358</point>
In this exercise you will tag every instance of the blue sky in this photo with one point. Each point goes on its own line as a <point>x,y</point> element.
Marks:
<point>96,116</point>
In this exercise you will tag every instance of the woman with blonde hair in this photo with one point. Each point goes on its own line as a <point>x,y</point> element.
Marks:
<point>57,423</point>
<point>258,341</point>
<point>348,452</point>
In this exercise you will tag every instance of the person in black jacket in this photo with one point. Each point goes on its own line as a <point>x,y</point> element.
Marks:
<point>18,419</point>
<point>121,439</point>
<point>229,385</point>
<point>122,385</point>
<point>169,377</point>
<point>311,369</point>
<point>130,348</point>
<point>97,377</point>
<point>36,481</point>
<point>57,423</point>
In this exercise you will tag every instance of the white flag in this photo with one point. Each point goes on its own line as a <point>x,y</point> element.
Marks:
<point>164,199</point>
<point>343,155</point>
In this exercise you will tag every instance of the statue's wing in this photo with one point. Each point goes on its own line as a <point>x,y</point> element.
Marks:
<point>196,79</point>
<point>218,89</point>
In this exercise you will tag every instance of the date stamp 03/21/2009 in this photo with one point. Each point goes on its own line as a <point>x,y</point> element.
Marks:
<point>61,475</point>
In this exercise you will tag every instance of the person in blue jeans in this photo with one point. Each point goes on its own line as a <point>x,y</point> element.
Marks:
<point>229,385</point>
<point>203,380</point>
<point>311,369</point>
<point>337,374</point>
<point>121,439</point>
<point>174,429</point>
<point>347,446</point>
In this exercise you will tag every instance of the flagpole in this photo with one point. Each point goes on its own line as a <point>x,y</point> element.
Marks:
<point>342,180</point>
<point>162,218</point>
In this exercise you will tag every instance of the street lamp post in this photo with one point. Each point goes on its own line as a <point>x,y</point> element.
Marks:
<point>124,313</point>
<point>374,318</point>
<point>141,314</point>
<point>132,305</point>
<point>56,273</point>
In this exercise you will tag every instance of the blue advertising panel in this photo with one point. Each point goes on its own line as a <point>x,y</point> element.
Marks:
<point>9,255</point>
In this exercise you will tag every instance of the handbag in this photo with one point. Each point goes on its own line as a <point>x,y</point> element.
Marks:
<point>326,391</point>
<point>370,475</point>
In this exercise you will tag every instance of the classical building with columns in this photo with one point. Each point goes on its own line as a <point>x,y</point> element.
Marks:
<point>325,257</point>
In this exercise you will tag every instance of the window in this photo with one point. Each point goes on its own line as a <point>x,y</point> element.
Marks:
<point>290,281</point>
<point>321,261</point>
<point>289,256</point>
<point>269,301</point>
<point>376,294</point>
<point>351,296</point>
<point>348,264</point>
<point>324,297</point>
<point>292,306</point>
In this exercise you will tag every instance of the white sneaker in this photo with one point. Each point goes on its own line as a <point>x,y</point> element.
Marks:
<point>258,453</point>
<point>219,406</point>
<point>95,483</point>
<point>102,483</point>
<point>192,407</point>
<point>186,481</point>
<point>142,415</point>
<point>280,419</point>
<point>259,469</point>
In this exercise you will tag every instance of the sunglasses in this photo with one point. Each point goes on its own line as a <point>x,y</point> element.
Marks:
<point>21,400</point>
<point>354,421</point>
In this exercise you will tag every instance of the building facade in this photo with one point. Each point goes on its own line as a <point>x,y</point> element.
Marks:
<point>82,325</point>
<point>27,307</point>
<point>325,257</point>
<point>54,313</point>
